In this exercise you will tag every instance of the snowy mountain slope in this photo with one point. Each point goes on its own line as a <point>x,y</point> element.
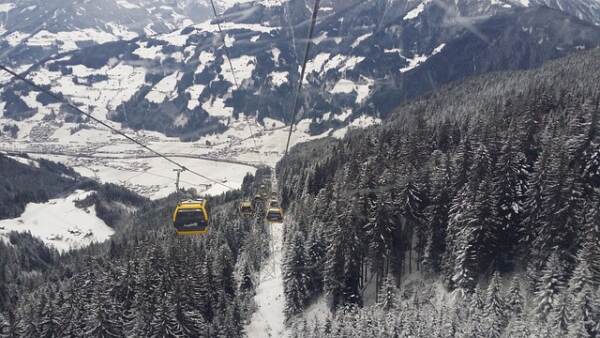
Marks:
<point>59,223</point>
<point>588,10</point>
<point>31,30</point>
<point>367,56</point>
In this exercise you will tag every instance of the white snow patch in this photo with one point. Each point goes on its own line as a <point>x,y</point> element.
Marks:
<point>5,8</point>
<point>272,123</point>
<point>195,92</point>
<point>365,121</point>
<point>67,41</point>
<point>165,88</point>
<point>393,50</point>
<point>175,38</point>
<point>276,53</point>
<point>25,161</point>
<point>362,89</point>
<point>414,13</point>
<point>320,38</point>
<point>243,66</point>
<point>121,31</point>
<point>126,4</point>
<point>352,62</point>
<point>181,120</point>
<point>216,107</point>
<point>361,39</point>
<point>59,223</point>
<point>317,63</point>
<point>417,60</point>
<point>226,26</point>
<point>149,52</point>
<point>15,38</point>
<point>279,78</point>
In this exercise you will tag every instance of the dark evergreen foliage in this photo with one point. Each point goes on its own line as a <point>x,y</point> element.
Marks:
<point>486,178</point>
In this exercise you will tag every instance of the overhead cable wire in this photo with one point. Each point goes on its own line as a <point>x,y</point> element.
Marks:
<point>301,80</point>
<point>228,55</point>
<point>90,116</point>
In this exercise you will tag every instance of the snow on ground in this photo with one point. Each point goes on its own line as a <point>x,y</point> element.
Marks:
<point>67,41</point>
<point>195,92</point>
<point>225,26</point>
<point>243,67</point>
<point>362,89</point>
<point>279,78</point>
<point>224,4</point>
<point>174,38</point>
<point>154,177</point>
<point>269,319</point>
<point>15,38</point>
<point>59,223</point>
<point>417,60</point>
<point>165,88</point>
<point>216,107</point>
<point>25,161</point>
<point>126,4</point>
<point>5,8</point>
<point>361,39</point>
<point>414,13</point>
<point>316,64</point>
<point>365,121</point>
<point>149,52</point>
<point>121,83</point>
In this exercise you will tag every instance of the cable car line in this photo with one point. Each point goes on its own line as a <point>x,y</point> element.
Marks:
<point>227,54</point>
<point>90,116</point>
<point>306,53</point>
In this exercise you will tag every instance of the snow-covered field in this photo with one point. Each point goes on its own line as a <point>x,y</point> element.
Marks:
<point>268,319</point>
<point>98,153</point>
<point>59,223</point>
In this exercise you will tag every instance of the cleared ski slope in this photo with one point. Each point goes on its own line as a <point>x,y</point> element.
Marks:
<point>269,319</point>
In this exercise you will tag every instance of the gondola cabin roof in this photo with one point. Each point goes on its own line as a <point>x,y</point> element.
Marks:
<point>192,204</point>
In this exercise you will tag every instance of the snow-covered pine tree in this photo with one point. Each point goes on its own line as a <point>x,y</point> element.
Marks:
<point>582,276</point>
<point>30,322</point>
<point>295,281</point>
<point>514,296</point>
<point>102,323</point>
<point>379,231</point>
<point>410,203</point>
<point>585,315</point>
<point>3,326</point>
<point>51,324</point>
<point>561,204</point>
<point>164,324</point>
<point>387,293</point>
<point>437,211</point>
<point>495,307</point>
<point>550,285</point>
<point>315,255</point>
<point>11,325</point>
<point>510,186</point>
<point>558,321</point>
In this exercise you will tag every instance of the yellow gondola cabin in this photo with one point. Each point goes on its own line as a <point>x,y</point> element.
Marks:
<point>191,217</point>
<point>275,215</point>
<point>246,209</point>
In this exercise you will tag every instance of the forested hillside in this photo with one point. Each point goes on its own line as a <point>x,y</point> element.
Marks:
<point>426,219</point>
<point>24,180</point>
<point>143,282</point>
